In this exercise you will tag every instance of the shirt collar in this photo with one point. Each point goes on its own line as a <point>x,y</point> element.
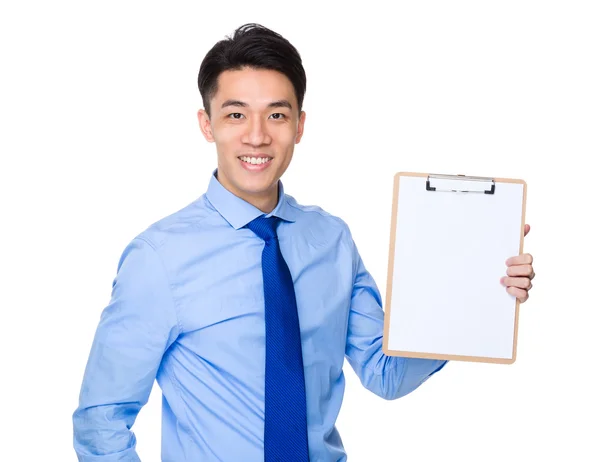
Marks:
<point>237,211</point>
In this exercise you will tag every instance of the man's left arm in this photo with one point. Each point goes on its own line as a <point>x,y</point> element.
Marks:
<point>392,377</point>
<point>387,376</point>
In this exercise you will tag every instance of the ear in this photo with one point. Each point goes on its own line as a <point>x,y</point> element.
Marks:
<point>300,130</point>
<point>205,125</point>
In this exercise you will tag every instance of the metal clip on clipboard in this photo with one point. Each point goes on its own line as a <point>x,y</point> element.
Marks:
<point>460,183</point>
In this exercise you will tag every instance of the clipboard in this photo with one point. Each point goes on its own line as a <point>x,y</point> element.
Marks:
<point>450,238</point>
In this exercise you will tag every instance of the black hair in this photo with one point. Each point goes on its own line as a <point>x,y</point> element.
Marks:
<point>256,47</point>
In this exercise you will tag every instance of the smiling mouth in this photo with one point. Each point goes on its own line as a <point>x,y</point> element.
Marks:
<point>255,160</point>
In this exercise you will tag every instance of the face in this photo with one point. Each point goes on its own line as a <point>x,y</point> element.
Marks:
<point>255,125</point>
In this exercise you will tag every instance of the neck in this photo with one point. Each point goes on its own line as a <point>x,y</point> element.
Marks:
<point>265,204</point>
<point>265,201</point>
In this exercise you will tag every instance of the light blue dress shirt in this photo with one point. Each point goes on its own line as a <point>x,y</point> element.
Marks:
<point>187,309</point>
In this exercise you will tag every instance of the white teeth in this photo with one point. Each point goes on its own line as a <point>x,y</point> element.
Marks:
<point>255,160</point>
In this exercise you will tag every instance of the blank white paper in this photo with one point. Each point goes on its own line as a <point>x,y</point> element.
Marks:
<point>450,253</point>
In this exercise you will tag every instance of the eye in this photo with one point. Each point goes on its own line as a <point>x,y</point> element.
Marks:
<point>235,115</point>
<point>278,116</point>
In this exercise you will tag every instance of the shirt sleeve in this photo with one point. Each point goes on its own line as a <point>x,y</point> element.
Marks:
<point>390,377</point>
<point>135,329</point>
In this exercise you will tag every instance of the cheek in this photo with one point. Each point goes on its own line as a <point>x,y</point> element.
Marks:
<point>285,139</point>
<point>226,138</point>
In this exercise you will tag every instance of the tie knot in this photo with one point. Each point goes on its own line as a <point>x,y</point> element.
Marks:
<point>265,228</point>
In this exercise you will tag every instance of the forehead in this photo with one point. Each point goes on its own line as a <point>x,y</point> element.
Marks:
<point>256,87</point>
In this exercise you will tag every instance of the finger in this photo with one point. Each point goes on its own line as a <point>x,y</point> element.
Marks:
<point>525,259</point>
<point>520,270</point>
<point>522,283</point>
<point>527,229</point>
<point>520,294</point>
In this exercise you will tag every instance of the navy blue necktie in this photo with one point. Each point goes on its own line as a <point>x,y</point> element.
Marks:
<point>285,435</point>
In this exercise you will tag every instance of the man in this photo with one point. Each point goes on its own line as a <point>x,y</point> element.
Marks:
<point>244,304</point>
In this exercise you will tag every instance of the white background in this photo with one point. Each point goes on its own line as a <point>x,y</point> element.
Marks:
<point>99,139</point>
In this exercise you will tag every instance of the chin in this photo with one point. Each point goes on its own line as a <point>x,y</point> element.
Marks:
<point>255,184</point>
<point>257,188</point>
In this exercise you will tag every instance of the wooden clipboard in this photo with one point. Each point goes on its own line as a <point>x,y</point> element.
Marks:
<point>449,240</point>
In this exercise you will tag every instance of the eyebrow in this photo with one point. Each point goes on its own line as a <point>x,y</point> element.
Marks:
<point>238,103</point>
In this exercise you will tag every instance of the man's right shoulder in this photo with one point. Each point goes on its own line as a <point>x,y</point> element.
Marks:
<point>184,220</point>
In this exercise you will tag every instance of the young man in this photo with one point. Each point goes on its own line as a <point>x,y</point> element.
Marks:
<point>244,304</point>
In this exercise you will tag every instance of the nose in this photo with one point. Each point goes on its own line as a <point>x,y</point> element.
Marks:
<point>256,133</point>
